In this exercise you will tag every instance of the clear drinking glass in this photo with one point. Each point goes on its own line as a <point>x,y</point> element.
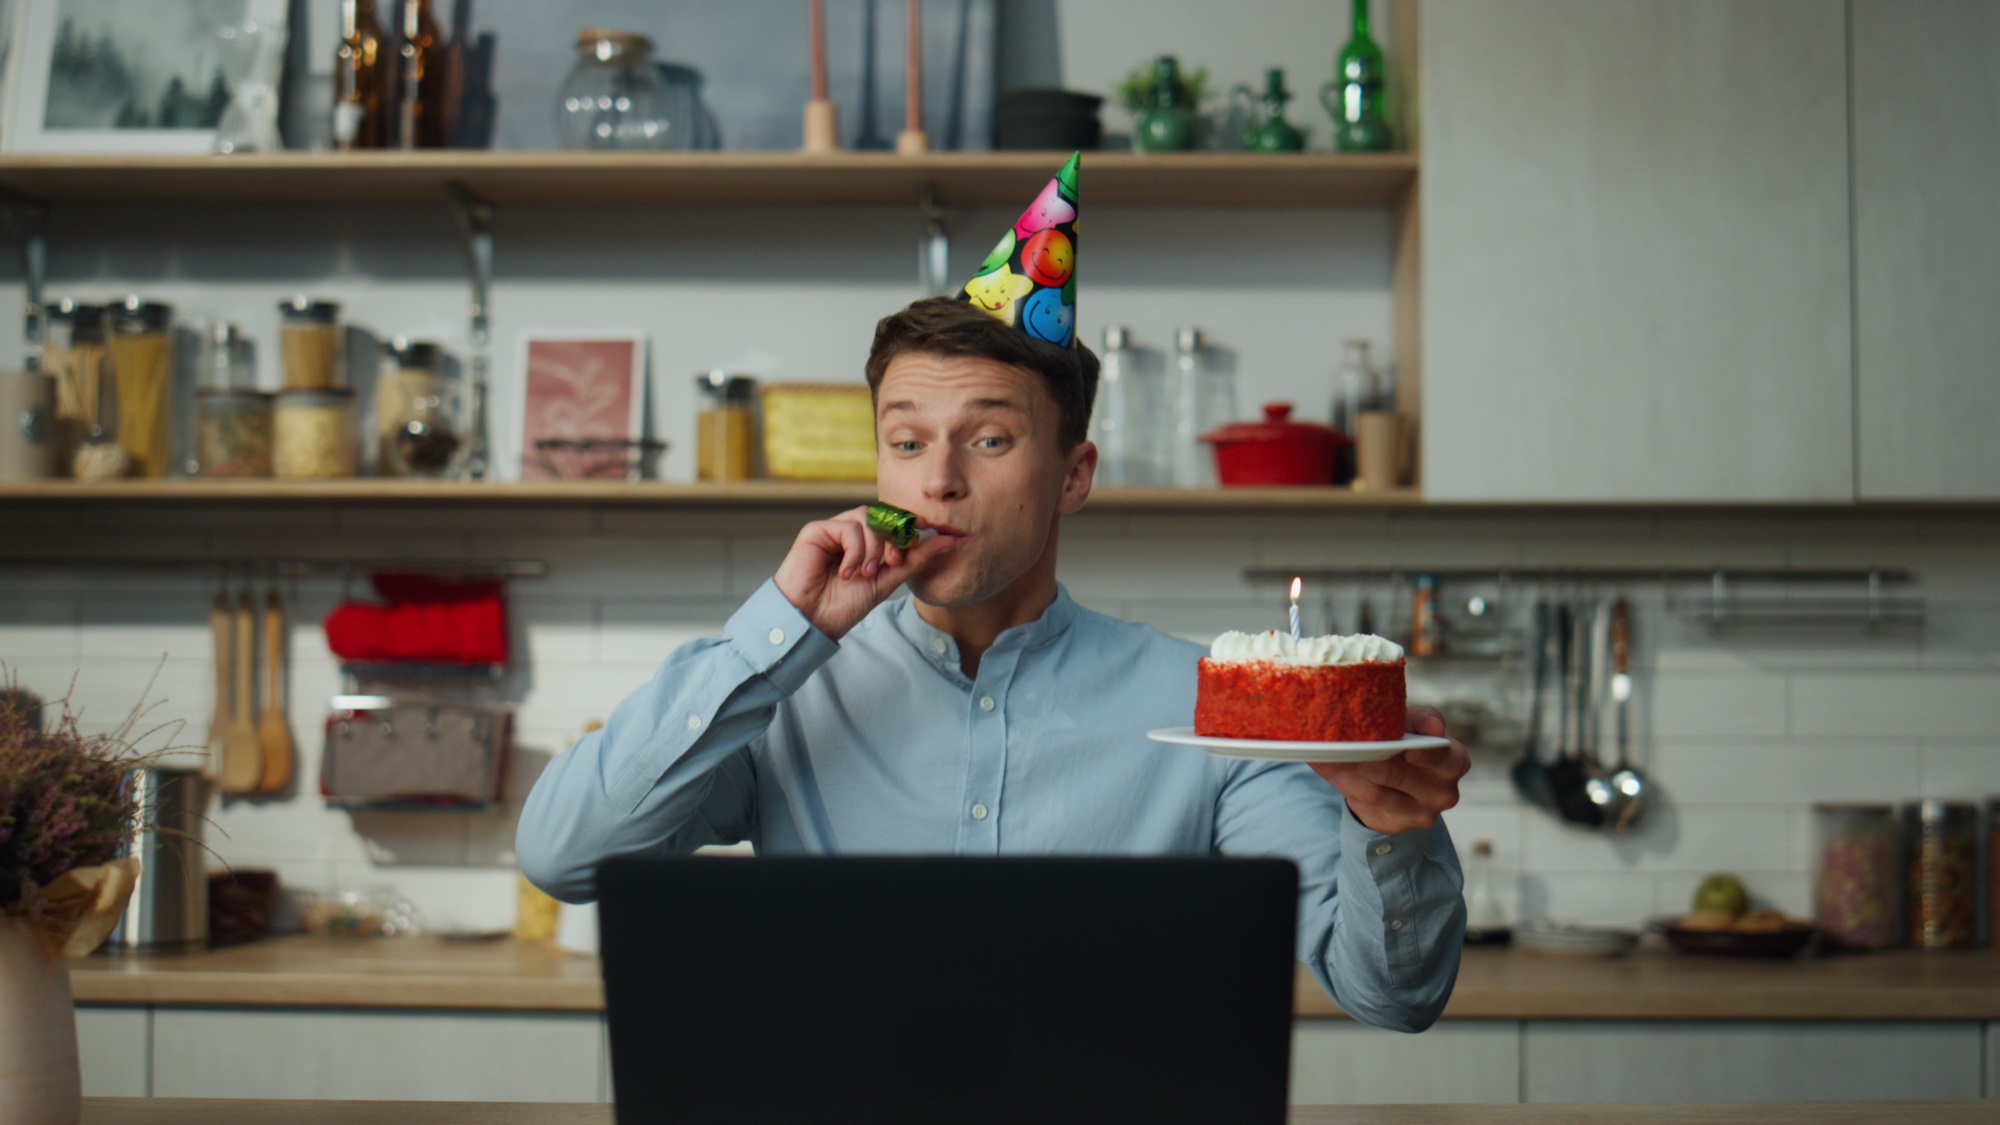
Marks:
<point>1204,398</point>
<point>615,99</point>
<point>250,54</point>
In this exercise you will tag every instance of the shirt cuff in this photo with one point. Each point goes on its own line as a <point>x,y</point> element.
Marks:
<point>776,640</point>
<point>1386,856</point>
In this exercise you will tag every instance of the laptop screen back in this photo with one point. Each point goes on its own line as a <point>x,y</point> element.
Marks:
<point>887,989</point>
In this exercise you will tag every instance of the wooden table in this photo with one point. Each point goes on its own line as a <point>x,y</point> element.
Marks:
<point>1493,984</point>
<point>174,1111</point>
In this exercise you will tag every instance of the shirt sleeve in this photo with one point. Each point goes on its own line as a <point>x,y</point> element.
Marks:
<point>670,769</point>
<point>1381,917</point>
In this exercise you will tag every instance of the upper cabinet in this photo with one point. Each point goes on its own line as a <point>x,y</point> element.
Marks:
<point>1927,247</point>
<point>1635,251</point>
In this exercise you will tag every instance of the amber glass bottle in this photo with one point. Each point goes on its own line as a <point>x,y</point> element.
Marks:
<point>420,80</point>
<point>360,116</point>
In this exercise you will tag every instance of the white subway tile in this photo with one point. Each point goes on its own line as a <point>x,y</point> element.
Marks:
<point>1672,837</point>
<point>1968,769</point>
<point>753,560</point>
<point>1676,704</point>
<point>600,566</point>
<point>37,629</point>
<point>646,631</point>
<point>564,629</point>
<point>1615,900</point>
<point>1935,704</point>
<point>1778,773</point>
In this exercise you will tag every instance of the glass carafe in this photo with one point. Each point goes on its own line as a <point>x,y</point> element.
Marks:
<point>249,54</point>
<point>614,98</point>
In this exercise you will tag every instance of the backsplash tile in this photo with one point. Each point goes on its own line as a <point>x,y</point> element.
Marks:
<point>1740,728</point>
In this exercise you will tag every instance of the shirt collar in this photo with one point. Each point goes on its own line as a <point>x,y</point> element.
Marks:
<point>1046,629</point>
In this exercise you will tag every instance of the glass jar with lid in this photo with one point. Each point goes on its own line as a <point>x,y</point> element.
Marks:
<point>726,429</point>
<point>314,435</point>
<point>1941,843</point>
<point>73,352</point>
<point>309,343</point>
<point>232,434</point>
<point>142,353</point>
<point>1856,889</point>
<point>417,428</point>
<point>614,98</point>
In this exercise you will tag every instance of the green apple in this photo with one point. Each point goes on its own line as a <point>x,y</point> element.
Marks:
<point>1722,892</point>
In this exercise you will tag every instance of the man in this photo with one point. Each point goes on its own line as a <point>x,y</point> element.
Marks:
<point>988,713</point>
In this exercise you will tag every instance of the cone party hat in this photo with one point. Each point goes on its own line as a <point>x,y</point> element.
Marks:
<point>1029,280</point>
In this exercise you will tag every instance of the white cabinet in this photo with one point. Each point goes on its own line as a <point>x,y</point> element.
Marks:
<point>113,1045</point>
<point>1591,1061</point>
<point>1927,247</point>
<point>374,1054</point>
<point>1635,250</point>
<point>1340,1062</point>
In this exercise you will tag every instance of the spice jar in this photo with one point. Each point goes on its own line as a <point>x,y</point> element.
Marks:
<point>309,341</point>
<point>313,434</point>
<point>1941,842</point>
<point>232,433</point>
<point>142,352</point>
<point>725,431</point>
<point>1855,892</point>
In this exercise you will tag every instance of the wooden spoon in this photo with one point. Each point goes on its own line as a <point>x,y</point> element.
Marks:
<point>272,731</point>
<point>243,756</point>
<point>218,725</point>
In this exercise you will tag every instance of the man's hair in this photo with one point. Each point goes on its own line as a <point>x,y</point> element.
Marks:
<point>949,327</point>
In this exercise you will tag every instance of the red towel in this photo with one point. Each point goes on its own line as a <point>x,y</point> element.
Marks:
<point>427,620</point>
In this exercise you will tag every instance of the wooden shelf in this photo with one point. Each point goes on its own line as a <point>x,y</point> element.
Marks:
<point>661,494</point>
<point>761,178</point>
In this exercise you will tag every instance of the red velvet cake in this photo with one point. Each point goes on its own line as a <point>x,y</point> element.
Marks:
<point>1315,689</point>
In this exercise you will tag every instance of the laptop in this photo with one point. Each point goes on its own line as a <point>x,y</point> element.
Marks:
<point>889,989</point>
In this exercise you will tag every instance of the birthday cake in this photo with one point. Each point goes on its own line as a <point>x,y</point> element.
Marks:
<point>1309,689</point>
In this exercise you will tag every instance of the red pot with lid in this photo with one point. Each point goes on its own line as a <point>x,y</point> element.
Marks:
<point>1276,450</point>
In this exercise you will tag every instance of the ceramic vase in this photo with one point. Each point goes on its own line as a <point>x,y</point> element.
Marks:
<point>40,1082</point>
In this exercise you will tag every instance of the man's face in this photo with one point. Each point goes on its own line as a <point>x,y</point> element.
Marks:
<point>970,445</point>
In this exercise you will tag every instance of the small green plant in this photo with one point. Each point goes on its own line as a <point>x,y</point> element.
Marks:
<point>1190,88</point>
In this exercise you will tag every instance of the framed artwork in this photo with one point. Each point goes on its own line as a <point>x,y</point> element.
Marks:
<point>583,411</point>
<point>127,77</point>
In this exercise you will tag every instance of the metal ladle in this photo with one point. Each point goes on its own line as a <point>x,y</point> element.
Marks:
<point>1628,783</point>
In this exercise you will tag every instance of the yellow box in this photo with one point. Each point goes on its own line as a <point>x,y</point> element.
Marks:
<point>818,431</point>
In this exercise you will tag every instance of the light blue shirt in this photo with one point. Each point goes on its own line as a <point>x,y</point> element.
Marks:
<point>774,734</point>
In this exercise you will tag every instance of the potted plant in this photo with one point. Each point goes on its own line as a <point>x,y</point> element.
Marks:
<point>66,815</point>
<point>1165,105</point>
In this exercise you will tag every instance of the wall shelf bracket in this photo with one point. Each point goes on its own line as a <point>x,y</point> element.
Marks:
<point>475,233</point>
<point>30,220</point>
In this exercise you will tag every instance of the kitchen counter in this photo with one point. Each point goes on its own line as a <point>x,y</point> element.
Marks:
<point>308,972</point>
<point>192,1111</point>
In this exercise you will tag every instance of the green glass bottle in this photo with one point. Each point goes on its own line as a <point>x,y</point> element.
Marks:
<point>1163,125</point>
<point>1354,97</point>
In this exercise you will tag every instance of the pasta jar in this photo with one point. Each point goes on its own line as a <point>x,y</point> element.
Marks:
<point>142,354</point>
<point>1855,889</point>
<point>726,429</point>
<point>1943,862</point>
<point>232,433</point>
<point>313,435</point>
<point>309,342</point>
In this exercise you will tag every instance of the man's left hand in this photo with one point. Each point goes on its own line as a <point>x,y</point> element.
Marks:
<point>1407,791</point>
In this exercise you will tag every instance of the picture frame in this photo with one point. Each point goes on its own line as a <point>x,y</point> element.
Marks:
<point>588,389</point>
<point>167,61</point>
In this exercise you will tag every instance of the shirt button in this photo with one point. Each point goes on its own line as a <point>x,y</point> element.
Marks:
<point>979,812</point>
<point>1396,925</point>
<point>777,636</point>
<point>694,722</point>
<point>939,646</point>
<point>1382,849</point>
<point>986,703</point>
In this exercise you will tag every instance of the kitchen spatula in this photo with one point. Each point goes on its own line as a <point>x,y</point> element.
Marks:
<point>272,731</point>
<point>243,756</point>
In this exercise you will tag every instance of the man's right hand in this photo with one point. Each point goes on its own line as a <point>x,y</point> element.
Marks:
<point>838,569</point>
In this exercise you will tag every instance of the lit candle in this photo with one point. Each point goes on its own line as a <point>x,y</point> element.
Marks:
<point>1297,585</point>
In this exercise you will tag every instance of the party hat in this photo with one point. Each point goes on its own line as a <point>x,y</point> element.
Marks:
<point>1029,280</point>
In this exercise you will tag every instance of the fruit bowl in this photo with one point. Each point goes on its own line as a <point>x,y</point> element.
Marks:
<point>1788,941</point>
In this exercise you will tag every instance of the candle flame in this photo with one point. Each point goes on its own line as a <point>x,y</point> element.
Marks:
<point>1297,585</point>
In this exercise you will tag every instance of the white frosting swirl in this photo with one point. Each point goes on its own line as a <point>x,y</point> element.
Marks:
<point>1280,648</point>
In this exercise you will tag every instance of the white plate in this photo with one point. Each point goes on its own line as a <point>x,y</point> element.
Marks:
<point>1273,750</point>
